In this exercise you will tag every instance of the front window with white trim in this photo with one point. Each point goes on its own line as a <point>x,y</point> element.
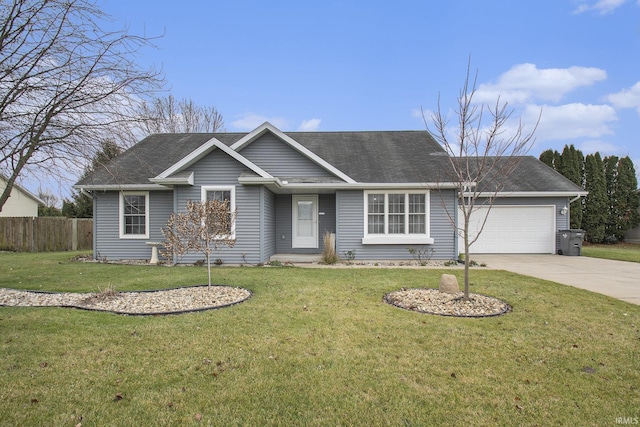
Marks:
<point>134,215</point>
<point>221,194</point>
<point>397,217</point>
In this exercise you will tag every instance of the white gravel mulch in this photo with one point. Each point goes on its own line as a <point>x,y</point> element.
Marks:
<point>169,301</point>
<point>432,301</point>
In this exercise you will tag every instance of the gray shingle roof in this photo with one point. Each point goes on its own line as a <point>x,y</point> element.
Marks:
<point>385,156</point>
<point>527,174</point>
<point>366,157</point>
<point>533,175</point>
<point>393,156</point>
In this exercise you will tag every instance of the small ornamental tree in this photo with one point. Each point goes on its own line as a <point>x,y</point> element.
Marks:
<point>483,150</point>
<point>204,227</point>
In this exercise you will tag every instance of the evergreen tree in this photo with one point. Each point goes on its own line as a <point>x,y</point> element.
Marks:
<point>596,202</point>
<point>611,177</point>
<point>109,149</point>
<point>627,196</point>
<point>81,204</point>
<point>548,158</point>
<point>571,167</point>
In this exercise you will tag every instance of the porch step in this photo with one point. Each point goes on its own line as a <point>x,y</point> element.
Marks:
<point>296,258</point>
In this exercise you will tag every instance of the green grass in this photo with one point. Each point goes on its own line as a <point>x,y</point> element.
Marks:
<point>619,252</point>
<point>313,347</point>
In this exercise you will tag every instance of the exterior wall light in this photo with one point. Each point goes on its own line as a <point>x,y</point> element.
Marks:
<point>564,210</point>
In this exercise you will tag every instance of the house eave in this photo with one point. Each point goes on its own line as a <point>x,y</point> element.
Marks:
<point>122,187</point>
<point>527,194</point>
<point>284,185</point>
<point>168,181</point>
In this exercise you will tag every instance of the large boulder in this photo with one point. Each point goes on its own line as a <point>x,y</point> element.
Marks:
<point>449,284</point>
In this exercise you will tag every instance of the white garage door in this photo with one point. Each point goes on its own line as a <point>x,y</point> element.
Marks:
<point>513,229</point>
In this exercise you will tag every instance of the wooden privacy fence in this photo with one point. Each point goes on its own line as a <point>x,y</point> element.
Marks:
<point>45,234</point>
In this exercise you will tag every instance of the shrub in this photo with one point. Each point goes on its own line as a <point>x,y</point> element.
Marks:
<point>329,255</point>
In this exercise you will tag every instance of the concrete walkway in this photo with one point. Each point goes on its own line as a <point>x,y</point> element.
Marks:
<point>617,279</point>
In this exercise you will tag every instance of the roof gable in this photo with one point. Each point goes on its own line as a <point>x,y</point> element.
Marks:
<point>202,151</point>
<point>267,127</point>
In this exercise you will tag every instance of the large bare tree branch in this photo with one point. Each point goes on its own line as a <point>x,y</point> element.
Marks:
<point>66,85</point>
<point>168,115</point>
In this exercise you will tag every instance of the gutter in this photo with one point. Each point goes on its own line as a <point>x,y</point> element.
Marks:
<point>343,185</point>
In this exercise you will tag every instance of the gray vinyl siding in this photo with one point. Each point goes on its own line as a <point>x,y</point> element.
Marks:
<point>219,169</point>
<point>350,229</point>
<point>108,244</point>
<point>326,222</point>
<point>279,159</point>
<point>268,239</point>
<point>443,205</point>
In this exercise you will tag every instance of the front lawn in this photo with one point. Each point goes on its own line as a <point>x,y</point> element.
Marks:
<point>313,347</point>
<point>620,251</point>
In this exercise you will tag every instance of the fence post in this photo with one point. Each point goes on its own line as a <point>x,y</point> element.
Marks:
<point>74,232</point>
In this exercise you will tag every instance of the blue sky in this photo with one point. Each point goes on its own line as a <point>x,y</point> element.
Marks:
<point>372,65</point>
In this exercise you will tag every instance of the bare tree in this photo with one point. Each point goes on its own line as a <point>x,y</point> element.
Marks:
<point>484,150</point>
<point>66,83</point>
<point>204,227</point>
<point>168,115</point>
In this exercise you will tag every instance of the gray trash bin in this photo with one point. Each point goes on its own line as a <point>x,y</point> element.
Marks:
<point>571,242</point>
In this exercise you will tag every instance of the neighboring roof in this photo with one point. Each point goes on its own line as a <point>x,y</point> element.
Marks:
<point>38,200</point>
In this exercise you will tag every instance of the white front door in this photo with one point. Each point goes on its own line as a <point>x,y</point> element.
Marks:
<point>305,222</point>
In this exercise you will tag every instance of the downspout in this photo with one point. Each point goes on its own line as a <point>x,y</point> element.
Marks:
<point>574,199</point>
<point>94,209</point>
<point>569,205</point>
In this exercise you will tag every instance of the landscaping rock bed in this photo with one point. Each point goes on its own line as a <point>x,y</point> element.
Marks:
<point>168,301</point>
<point>432,301</point>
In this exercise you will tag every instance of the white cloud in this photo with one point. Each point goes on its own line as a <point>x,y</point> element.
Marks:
<point>604,148</point>
<point>601,6</point>
<point>627,98</point>
<point>250,121</point>
<point>525,82</point>
<point>310,125</point>
<point>571,121</point>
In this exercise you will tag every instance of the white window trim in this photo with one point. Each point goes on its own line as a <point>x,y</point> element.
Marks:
<point>121,223</point>
<point>397,239</point>
<point>203,197</point>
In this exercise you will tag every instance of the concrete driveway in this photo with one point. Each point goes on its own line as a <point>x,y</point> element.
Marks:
<point>617,279</point>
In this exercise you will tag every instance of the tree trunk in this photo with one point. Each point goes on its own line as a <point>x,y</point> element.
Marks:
<point>208,256</point>
<point>466,260</point>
